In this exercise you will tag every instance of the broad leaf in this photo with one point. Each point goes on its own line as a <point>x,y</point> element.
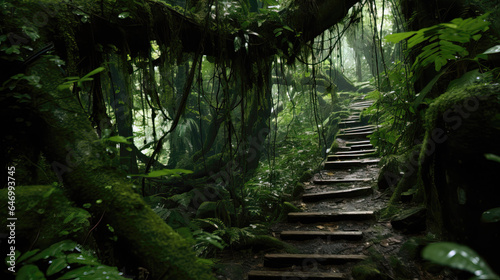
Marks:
<point>55,250</point>
<point>397,37</point>
<point>492,50</point>
<point>30,272</point>
<point>459,257</point>
<point>465,80</point>
<point>56,266</point>
<point>491,216</point>
<point>118,139</point>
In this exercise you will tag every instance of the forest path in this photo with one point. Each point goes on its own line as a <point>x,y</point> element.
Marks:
<point>334,231</point>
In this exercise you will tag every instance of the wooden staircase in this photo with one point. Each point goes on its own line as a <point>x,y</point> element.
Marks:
<point>314,225</point>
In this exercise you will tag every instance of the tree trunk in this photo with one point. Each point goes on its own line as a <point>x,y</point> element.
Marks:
<point>79,159</point>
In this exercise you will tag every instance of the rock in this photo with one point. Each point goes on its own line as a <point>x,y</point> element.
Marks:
<point>389,175</point>
<point>367,271</point>
<point>410,221</point>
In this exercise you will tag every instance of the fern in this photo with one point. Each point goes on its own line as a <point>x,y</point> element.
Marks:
<point>444,41</point>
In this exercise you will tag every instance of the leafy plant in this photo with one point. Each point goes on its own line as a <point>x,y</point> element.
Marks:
<point>443,41</point>
<point>459,257</point>
<point>63,260</point>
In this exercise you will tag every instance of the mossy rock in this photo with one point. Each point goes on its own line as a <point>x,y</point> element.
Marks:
<point>45,216</point>
<point>298,190</point>
<point>367,271</point>
<point>266,242</point>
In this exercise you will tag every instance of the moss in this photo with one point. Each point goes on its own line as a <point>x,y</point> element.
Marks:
<point>266,242</point>
<point>367,271</point>
<point>298,190</point>
<point>45,216</point>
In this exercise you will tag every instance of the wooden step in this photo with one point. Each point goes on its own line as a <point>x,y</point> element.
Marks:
<point>361,147</point>
<point>312,234</point>
<point>315,217</point>
<point>349,163</point>
<point>308,197</point>
<point>287,260</point>
<point>337,181</point>
<point>359,127</point>
<point>349,123</point>
<point>349,156</point>
<point>363,134</point>
<point>350,143</point>
<point>355,152</point>
<point>281,275</point>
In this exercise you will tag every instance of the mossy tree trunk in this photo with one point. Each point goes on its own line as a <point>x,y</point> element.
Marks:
<point>79,159</point>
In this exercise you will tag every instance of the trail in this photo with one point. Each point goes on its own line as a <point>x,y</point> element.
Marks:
<point>335,230</point>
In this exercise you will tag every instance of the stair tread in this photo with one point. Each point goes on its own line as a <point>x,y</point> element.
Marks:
<point>337,193</point>
<point>314,217</point>
<point>352,162</point>
<point>288,260</point>
<point>354,152</point>
<point>348,143</point>
<point>259,275</point>
<point>333,181</point>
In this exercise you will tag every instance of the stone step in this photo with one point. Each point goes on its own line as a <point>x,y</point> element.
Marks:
<point>349,163</point>
<point>308,197</point>
<point>369,151</point>
<point>315,217</point>
<point>349,156</point>
<point>336,181</point>
<point>287,260</point>
<point>312,234</point>
<point>363,134</point>
<point>350,143</point>
<point>281,275</point>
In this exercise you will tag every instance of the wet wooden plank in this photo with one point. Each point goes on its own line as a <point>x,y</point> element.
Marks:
<point>355,152</point>
<point>359,127</point>
<point>314,217</point>
<point>349,156</point>
<point>361,147</point>
<point>363,134</point>
<point>350,143</point>
<point>287,260</point>
<point>349,163</point>
<point>336,181</point>
<point>280,275</point>
<point>308,197</point>
<point>332,235</point>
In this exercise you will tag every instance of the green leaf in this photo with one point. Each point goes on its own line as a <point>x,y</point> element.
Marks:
<point>397,37</point>
<point>92,272</point>
<point>491,216</point>
<point>124,15</point>
<point>237,44</point>
<point>92,73</point>
<point>466,79</point>
<point>82,259</point>
<point>30,272</point>
<point>55,250</point>
<point>492,50</point>
<point>118,139</point>
<point>27,255</point>
<point>492,157</point>
<point>164,172</point>
<point>459,257</point>
<point>56,266</point>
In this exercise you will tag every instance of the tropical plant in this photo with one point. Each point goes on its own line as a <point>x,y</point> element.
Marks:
<point>63,260</point>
